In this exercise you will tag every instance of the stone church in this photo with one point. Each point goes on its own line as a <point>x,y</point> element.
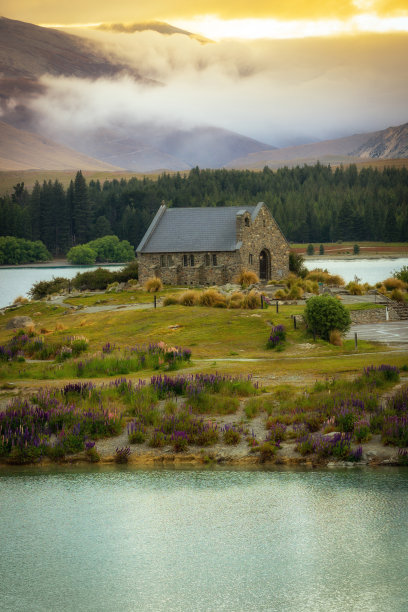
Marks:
<point>210,246</point>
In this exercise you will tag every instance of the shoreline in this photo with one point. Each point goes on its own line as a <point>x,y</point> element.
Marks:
<point>197,460</point>
<point>60,263</point>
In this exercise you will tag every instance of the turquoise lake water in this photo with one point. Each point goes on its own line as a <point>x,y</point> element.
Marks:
<point>176,540</point>
<point>18,281</point>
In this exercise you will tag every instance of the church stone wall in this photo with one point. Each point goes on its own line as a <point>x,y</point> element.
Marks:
<point>262,234</point>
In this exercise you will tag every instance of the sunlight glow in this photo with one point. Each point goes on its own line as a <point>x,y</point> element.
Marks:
<point>217,29</point>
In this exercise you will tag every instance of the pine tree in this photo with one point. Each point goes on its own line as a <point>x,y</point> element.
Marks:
<point>81,209</point>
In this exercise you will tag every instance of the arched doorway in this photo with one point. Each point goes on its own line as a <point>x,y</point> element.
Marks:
<point>265,265</point>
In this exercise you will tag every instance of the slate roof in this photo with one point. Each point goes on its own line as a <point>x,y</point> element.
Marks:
<point>180,230</point>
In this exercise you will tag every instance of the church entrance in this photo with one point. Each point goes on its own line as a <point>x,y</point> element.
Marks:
<point>264,265</point>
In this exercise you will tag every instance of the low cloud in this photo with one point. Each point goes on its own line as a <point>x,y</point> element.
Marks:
<point>279,92</point>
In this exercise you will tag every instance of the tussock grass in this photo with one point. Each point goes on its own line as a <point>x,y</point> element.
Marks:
<point>154,284</point>
<point>246,278</point>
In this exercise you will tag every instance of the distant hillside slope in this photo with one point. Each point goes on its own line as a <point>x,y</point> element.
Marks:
<point>154,26</point>
<point>21,150</point>
<point>28,51</point>
<point>149,147</point>
<point>389,143</point>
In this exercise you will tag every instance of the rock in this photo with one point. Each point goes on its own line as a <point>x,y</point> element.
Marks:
<point>371,453</point>
<point>19,323</point>
<point>331,434</point>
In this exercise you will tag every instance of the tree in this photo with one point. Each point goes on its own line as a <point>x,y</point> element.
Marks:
<point>310,249</point>
<point>356,249</point>
<point>296,264</point>
<point>324,313</point>
<point>321,249</point>
<point>81,255</point>
<point>81,209</point>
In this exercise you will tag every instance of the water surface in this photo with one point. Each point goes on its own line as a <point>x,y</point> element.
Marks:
<point>176,540</point>
<point>18,281</point>
<point>368,270</point>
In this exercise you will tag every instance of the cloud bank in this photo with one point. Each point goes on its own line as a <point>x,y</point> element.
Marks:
<point>279,92</point>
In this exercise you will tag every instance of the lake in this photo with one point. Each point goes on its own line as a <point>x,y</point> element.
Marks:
<point>368,270</point>
<point>113,539</point>
<point>18,281</point>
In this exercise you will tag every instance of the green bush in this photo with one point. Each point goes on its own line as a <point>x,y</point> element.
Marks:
<point>43,288</point>
<point>321,249</point>
<point>356,249</point>
<point>296,264</point>
<point>19,251</point>
<point>310,249</point>
<point>81,255</point>
<point>324,313</point>
<point>108,248</point>
<point>401,274</point>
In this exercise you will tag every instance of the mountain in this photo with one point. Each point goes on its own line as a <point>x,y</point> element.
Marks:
<point>387,144</point>
<point>21,150</point>
<point>148,147</point>
<point>154,26</point>
<point>28,51</point>
<point>384,144</point>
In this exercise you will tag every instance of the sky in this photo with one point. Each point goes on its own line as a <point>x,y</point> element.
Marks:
<point>283,72</point>
<point>224,18</point>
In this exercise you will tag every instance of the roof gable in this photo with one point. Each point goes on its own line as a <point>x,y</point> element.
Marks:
<point>178,230</point>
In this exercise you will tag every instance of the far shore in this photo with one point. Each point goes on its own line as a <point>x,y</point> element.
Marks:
<point>64,263</point>
<point>61,263</point>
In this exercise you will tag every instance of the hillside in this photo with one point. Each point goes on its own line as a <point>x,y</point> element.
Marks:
<point>22,150</point>
<point>384,144</point>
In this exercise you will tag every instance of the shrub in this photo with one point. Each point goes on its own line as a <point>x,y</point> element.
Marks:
<point>122,454</point>
<point>310,249</point>
<point>323,276</point>
<point>295,293</point>
<point>296,264</point>
<point>266,451</point>
<point>324,313</point>
<point>91,452</point>
<point>397,295</point>
<point>335,337</point>
<point>136,432</point>
<point>170,300</point>
<point>393,283</point>
<point>43,288</point>
<point>356,249</point>
<point>236,300</point>
<point>81,255</point>
<point>19,251</point>
<point>157,439</point>
<point>277,337</point>
<point>179,441</point>
<point>110,248</point>
<point>252,300</point>
<point>189,298</point>
<point>362,430</point>
<point>355,288</point>
<point>211,297</point>
<point>321,249</point>
<point>231,435</point>
<point>401,274</point>
<point>246,278</point>
<point>154,284</point>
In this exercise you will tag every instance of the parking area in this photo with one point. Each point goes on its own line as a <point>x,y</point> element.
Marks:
<point>387,332</point>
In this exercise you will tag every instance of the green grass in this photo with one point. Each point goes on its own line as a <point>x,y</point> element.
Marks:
<point>121,297</point>
<point>212,334</point>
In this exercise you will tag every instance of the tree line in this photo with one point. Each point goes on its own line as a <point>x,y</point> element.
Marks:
<point>310,203</point>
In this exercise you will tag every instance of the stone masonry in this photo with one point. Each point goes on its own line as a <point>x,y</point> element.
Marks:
<point>259,246</point>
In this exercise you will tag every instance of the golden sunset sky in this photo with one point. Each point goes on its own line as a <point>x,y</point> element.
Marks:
<point>227,18</point>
